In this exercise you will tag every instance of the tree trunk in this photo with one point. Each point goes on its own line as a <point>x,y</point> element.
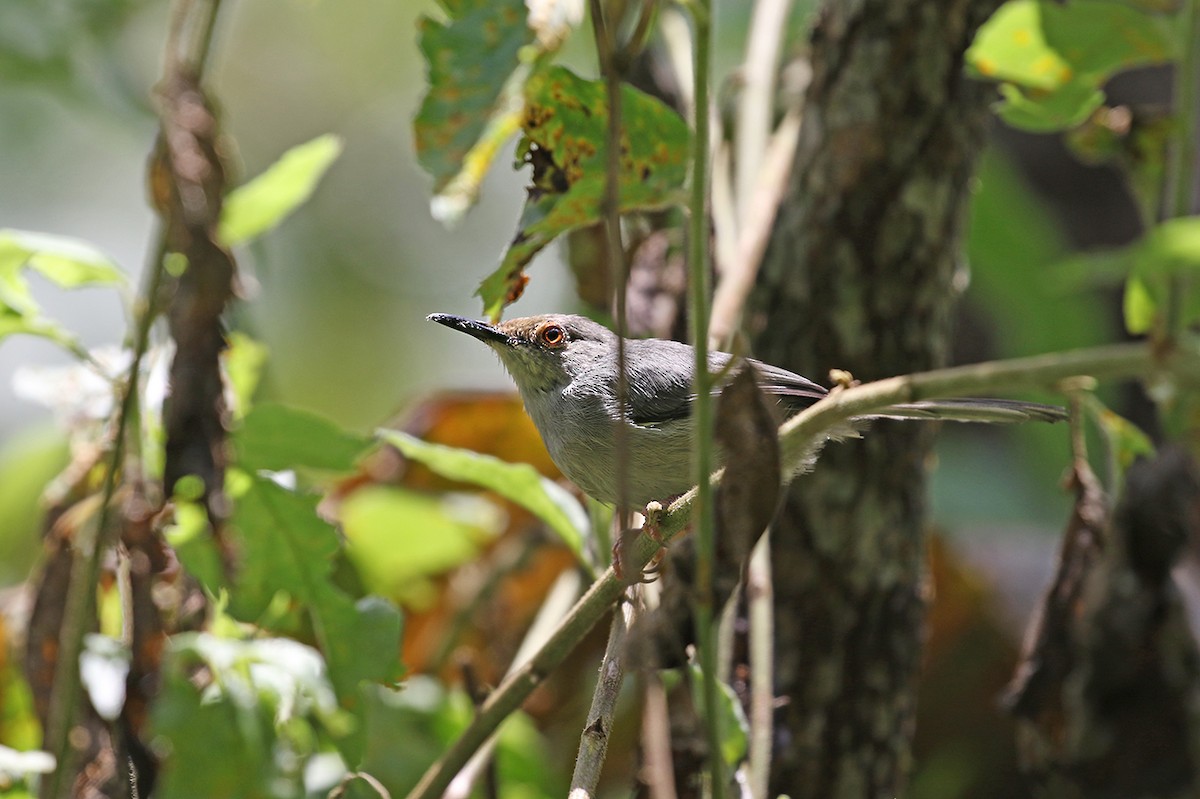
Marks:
<point>859,275</point>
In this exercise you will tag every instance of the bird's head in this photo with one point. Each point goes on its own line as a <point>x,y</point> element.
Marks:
<point>541,352</point>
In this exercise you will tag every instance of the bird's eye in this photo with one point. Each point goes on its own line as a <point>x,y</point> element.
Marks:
<point>553,336</point>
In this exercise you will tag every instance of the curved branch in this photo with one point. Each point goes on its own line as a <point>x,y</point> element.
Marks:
<point>797,436</point>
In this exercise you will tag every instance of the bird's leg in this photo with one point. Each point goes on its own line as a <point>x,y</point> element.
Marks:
<point>650,526</point>
<point>653,518</point>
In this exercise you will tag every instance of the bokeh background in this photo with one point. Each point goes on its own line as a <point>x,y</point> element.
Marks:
<point>339,292</point>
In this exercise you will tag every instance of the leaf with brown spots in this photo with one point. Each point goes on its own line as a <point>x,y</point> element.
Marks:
<point>477,64</point>
<point>566,130</point>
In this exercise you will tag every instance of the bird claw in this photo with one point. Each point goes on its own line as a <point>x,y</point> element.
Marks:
<point>653,515</point>
<point>650,572</point>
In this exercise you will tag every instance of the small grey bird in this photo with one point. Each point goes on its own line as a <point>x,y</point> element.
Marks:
<point>565,367</point>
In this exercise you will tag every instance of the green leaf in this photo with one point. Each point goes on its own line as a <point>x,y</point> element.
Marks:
<point>1139,307</point>
<point>286,546</point>
<point>1171,247</point>
<point>1048,111</point>
<point>566,132</point>
<point>733,723</point>
<point>277,437</point>
<point>260,204</point>
<point>426,717</point>
<point>1165,263</point>
<point>478,64</point>
<point>70,263</point>
<point>1098,38</point>
<point>400,539</point>
<point>1054,58</point>
<point>1125,439</point>
<point>244,360</point>
<point>470,60</point>
<point>190,535</point>
<point>1012,46</point>
<point>517,482</point>
<point>1163,267</point>
<point>266,711</point>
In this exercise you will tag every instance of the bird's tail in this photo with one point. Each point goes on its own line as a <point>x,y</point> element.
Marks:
<point>974,410</point>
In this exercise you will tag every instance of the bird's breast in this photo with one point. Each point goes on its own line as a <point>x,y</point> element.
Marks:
<point>579,430</point>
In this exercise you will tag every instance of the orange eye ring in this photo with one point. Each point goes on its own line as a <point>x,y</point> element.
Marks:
<point>553,336</point>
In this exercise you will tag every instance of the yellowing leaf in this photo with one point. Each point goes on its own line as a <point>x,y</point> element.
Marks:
<point>1054,58</point>
<point>566,134</point>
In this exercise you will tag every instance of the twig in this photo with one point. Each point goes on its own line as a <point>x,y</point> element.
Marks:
<point>657,771</point>
<point>768,24</point>
<point>516,687</point>
<point>699,289</point>
<point>760,602</point>
<point>558,600</point>
<point>593,743</point>
<point>1181,165</point>
<point>81,594</point>
<point>90,544</point>
<point>606,52</point>
<point>477,691</point>
<point>737,276</point>
<point>796,438</point>
<point>723,209</point>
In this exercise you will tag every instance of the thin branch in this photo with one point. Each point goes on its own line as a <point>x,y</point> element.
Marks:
<point>761,613</point>
<point>796,437</point>
<point>1181,167</point>
<point>658,773</point>
<point>593,743</point>
<point>515,688</point>
<point>768,26</point>
<point>78,606</point>
<point>738,276</point>
<point>606,53</point>
<point>557,602</point>
<point>699,289</point>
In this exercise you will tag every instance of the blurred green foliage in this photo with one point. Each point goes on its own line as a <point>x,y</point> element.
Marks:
<point>1054,58</point>
<point>341,293</point>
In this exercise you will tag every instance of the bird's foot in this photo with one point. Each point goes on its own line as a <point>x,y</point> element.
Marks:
<point>652,526</point>
<point>650,572</point>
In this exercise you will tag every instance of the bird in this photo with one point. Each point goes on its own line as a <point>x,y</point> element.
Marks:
<point>565,369</point>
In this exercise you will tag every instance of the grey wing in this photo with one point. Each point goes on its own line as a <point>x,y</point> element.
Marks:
<point>660,381</point>
<point>660,388</point>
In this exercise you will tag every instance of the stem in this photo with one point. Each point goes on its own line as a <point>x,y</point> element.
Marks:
<point>605,53</point>
<point>796,437</point>
<point>461,782</point>
<point>657,769</point>
<point>85,572</point>
<point>768,25</point>
<point>78,605</point>
<point>593,744</point>
<point>517,686</point>
<point>1181,167</point>
<point>761,612</point>
<point>698,310</point>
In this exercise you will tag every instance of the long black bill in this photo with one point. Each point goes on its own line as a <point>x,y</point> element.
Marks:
<point>480,330</point>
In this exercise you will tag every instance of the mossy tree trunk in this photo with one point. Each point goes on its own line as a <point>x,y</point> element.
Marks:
<point>860,275</point>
